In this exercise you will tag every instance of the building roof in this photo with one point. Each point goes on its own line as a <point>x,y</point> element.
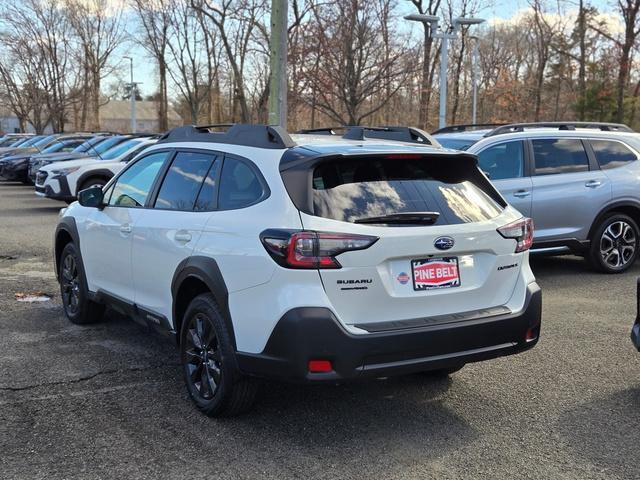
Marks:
<point>145,110</point>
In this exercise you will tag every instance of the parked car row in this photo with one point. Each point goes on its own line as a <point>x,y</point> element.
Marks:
<point>60,165</point>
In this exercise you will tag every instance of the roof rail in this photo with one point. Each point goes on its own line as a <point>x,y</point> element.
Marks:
<point>396,133</point>
<point>259,136</point>
<point>519,127</point>
<point>465,127</point>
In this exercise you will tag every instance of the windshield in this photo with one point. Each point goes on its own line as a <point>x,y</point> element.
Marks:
<point>358,189</point>
<point>31,141</point>
<point>43,142</point>
<point>12,142</point>
<point>456,143</point>
<point>86,146</point>
<point>102,147</point>
<point>118,150</point>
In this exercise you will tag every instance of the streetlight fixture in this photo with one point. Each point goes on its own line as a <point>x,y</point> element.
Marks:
<point>132,95</point>
<point>450,33</point>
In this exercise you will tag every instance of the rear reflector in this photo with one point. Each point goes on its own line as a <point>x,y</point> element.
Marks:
<point>320,366</point>
<point>531,334</point>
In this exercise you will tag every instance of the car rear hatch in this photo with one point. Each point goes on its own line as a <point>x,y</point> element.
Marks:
<point>438,256</point>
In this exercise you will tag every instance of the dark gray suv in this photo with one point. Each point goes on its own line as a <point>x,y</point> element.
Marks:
<point>580,182</point>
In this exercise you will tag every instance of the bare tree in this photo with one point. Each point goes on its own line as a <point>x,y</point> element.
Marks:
<point>235,21</point>
<point>99,28</point>
<point>426,7</point>
<point>629,11</point>
<point>353,69</point>
<point>185,64</point>
<point>155,19</point>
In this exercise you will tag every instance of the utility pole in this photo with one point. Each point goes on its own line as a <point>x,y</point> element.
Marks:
<point>278,63</point>
<point>132,94</point>
<point>474,79</point>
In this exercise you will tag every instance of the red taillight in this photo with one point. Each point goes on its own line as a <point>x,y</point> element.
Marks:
<point>521,231</point>
<point>307,249</point>
<point>320,366</point>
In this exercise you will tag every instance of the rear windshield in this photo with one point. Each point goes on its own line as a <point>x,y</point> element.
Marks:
<point>349,190</point>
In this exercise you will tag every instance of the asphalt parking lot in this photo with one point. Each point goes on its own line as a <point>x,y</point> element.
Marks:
<point>108,401</point>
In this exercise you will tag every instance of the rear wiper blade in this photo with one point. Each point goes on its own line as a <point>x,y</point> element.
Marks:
<point>405,218</point>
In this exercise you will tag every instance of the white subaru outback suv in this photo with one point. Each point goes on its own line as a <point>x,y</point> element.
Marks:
<point>306,258</point>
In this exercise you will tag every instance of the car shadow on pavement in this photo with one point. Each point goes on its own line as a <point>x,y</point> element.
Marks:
<point>560,264</point>
<point>606,432</point>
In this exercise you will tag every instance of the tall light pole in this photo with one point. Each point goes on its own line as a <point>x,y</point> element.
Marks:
<point>449,33</point>
<point>474,78</point>
<point>278,63</point>
<point>132,94</point>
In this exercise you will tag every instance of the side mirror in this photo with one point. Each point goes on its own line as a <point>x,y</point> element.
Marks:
<point>91,197</point>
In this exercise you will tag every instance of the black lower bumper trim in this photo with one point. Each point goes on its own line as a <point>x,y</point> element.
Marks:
<point>303,334</point>
<point>635,336</point>
<point>62,195</point>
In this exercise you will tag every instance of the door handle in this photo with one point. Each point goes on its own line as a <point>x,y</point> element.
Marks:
<point>126,228</point>
<point>182,237</point>
<point>521,193</point>
<point>593,183</point>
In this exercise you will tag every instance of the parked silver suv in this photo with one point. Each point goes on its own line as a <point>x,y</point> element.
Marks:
<point>580,182</point>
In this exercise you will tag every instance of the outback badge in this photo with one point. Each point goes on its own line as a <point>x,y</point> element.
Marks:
<point>443,243</point>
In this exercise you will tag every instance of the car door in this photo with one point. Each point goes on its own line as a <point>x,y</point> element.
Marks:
<point>108,232</point>
<point>168,231</point>
<point>504,163</point>
<point>568,189</point>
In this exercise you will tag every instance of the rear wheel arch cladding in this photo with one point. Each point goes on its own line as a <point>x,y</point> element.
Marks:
<point>193,276</point>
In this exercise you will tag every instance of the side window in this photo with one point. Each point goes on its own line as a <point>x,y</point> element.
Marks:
<point>559,155</point>
<point>133,186</point>
<point>183,181</point>
<point>612,154</point>
<point>505,160</point>
<point>240,186</point>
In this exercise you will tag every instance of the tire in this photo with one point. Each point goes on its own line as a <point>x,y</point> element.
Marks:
<point>614,244</point>
<point>78,308</point>
<point>219,390</point>
<point>93,182</point>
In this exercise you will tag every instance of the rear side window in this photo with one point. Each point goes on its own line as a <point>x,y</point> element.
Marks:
<point>370,187</point>
<point>183,181</point>
<point>505,160</point>
<point>240,185</point>
<point>559,155</point>
<point>612,154</point>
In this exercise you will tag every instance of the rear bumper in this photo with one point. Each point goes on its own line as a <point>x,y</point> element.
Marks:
<point>303,334</point>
